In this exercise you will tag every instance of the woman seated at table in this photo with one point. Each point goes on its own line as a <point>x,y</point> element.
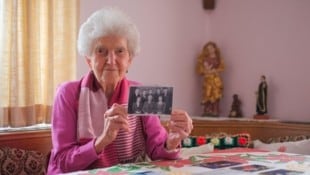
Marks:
<point>90,125</point>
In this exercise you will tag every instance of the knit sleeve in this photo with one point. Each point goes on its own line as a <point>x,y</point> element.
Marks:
<point>156,136</point>
<point>68,154</point>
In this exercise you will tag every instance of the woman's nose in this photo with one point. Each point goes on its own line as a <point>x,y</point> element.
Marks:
<point>111,58</point>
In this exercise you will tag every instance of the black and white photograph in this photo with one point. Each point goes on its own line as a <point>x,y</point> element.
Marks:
<point>150,100</point>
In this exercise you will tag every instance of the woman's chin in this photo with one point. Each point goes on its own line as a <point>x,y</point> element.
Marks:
<point>111,76</point>
<point>110,79</point>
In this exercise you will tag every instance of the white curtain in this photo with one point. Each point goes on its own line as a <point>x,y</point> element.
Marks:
<point>37,52</point>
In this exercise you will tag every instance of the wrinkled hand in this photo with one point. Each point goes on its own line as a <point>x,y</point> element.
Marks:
<point>180,126</point>
<point>115,119</point>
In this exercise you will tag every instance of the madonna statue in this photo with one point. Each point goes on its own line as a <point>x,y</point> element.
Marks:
<point>209,65</point>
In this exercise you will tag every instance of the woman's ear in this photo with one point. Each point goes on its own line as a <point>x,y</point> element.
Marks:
<point>88,61</point>
<point>129,61</point>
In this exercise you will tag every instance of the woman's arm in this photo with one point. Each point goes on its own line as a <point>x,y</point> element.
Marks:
<point>68,154</point>
<point>156,136</point>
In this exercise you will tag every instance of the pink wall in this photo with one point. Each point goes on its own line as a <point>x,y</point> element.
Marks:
<point>256,37</point>
<point>266,37</point>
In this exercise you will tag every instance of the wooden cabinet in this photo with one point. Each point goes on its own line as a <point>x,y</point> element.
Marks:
<point>38,140</point>
<point>258,129</point>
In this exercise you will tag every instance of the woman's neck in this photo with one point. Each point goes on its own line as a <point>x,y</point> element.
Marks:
<point>108,90</point>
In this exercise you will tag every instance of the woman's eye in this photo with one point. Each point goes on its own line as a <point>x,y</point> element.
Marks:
<point>120,51</point>
<point>101,51</point>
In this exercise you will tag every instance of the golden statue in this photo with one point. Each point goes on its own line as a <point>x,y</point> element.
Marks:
<point>209,66</point>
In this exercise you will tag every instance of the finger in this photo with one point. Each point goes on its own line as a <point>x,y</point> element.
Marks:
<point>122,107</point>
<point>181,119</point>
<point>178,114</point>
<point>116,109</point>
<point>119,109</point>
<point>120,122</point>
<point>179,129</point>
<point>177,111</point>
<point>178,135</point>
<point>173,140</point>
<point>186,125</point>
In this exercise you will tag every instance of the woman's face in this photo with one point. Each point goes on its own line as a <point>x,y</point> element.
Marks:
<point>211,48</point>
<point>110,59</point>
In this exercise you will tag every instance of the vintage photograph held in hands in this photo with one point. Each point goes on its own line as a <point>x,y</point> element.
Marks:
<point>150,100</point>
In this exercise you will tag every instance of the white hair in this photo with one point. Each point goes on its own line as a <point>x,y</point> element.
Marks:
<point>104,22</point>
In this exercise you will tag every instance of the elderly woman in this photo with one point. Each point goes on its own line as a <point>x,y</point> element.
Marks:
<point>90,125</point>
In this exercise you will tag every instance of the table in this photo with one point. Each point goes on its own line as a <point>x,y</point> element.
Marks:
<point>228,162</point>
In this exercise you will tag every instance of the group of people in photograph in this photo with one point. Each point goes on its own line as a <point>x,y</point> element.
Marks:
<point>150,100</point>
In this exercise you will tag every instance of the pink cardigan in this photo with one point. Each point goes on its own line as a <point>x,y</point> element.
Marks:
<point>70,153</point>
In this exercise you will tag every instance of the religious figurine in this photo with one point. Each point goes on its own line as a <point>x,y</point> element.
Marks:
<point>261,103</point>
<point>261,99</point>
<point>235,111</point>
<point>209,65</point>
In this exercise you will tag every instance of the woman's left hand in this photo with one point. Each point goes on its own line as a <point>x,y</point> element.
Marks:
<point>180,126</point>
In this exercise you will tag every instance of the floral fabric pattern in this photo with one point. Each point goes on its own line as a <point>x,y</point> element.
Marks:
<point>14,161</point>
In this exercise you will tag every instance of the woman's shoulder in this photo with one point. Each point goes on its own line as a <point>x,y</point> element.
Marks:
<point>69,88</point>
<point>69,85</point>
<point>75,85</point>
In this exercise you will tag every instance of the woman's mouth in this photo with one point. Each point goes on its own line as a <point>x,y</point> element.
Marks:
<point>110,69</point>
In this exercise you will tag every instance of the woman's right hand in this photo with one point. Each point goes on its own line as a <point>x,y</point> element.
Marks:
<point>115,119</point>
